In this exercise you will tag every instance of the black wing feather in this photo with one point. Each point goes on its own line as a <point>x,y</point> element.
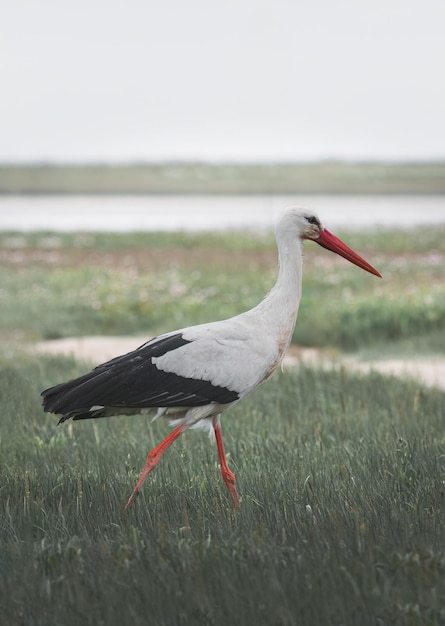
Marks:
<point>132,381</point>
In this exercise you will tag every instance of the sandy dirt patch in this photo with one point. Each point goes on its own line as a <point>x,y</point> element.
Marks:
<point>98,349</point>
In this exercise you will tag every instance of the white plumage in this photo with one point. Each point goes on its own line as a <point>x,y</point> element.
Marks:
<point>193,374</point>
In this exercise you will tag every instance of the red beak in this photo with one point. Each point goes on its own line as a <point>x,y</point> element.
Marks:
<point>331,242</point>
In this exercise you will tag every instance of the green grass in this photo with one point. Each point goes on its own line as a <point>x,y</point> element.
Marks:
<point>57,285</point>
<point>342,518</point>
<point>342,477</point>
<point>231,178</point>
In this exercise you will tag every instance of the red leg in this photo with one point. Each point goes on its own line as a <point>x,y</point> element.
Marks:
<point>227,475</point>
<point>153,459</point>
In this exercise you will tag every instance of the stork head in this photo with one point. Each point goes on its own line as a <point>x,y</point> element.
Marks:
<point>309,226</point>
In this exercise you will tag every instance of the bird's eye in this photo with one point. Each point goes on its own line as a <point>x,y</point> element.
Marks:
<point>313,220</point>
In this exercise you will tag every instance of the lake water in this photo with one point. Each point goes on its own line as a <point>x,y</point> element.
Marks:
<point>129,213</point>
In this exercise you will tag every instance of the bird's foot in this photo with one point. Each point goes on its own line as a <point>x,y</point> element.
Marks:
<point>131,498</point>
<point>150,464</point>
<point>229,479</point>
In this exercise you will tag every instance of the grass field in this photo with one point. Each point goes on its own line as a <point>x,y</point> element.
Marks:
<point>231,178</point>
<point>55,285</point>
<point>342,476</point>
<point>342,516</point>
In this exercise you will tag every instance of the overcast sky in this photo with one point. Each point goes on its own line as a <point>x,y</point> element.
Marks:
<point>119,80</point>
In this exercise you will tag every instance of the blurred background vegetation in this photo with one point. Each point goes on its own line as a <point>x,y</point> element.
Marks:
<point>231,178</point>
<point>56,285</point>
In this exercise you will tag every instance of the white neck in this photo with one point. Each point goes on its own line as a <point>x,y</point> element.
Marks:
<point>280,307</point>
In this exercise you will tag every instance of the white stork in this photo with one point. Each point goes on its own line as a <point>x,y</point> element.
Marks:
<point>194,374</point>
